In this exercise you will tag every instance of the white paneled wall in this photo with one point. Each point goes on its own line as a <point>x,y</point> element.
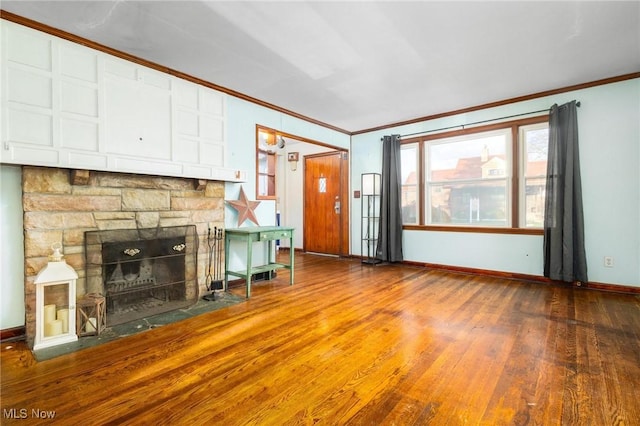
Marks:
<point>66,105</point>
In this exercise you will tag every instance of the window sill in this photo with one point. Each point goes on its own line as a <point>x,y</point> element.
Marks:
<point>478,229</point>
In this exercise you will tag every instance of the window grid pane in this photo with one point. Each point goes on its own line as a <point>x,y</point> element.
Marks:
<point>409,176</point>
<point>467,181</point>
<point>535,142</point>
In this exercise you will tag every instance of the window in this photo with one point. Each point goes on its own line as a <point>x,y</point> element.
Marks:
<point>409,170</point>
<point>266,143</point>
<point>487,177</point>
<point>467,180</point>
<point>534,140</point>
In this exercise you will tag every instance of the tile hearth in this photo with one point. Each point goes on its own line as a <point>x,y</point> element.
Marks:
<point>223,300</point>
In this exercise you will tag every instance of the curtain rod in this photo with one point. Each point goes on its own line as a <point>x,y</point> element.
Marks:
<point>479,122</point>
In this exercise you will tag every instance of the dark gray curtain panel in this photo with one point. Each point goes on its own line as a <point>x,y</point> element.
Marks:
<point>389,247</point>
<point>564,251</point>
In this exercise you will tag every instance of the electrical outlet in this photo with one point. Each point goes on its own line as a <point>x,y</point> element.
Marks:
<point>608,261</point>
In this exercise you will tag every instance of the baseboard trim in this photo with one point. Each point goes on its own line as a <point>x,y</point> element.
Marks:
<point>15,333</point>
<point>614,288</point>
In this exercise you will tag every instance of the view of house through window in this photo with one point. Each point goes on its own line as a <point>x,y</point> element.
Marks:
<point>467,180</point>
<point>409,175</point>
<point>535,144</point>
<point>471,178</point>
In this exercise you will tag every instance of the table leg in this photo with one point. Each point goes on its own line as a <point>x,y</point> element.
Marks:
<point>249,261</point>
<point>227,243</point>
<point>291,256</point>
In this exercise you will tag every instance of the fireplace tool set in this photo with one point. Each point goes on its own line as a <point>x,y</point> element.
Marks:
<point>213,278</point>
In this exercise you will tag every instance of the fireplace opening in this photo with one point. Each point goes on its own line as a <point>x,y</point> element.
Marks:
<point>142,272</point>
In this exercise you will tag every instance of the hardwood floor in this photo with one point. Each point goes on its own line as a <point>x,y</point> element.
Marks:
<point>353,344</point>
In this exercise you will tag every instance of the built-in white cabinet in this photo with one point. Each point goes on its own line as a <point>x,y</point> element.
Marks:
<point>137,111</point>
<point>66,105</point>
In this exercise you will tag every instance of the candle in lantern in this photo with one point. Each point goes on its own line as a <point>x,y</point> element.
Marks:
<point>53,328</point>
<point>91,325</point>
<point>63,315</point>
<point>49,313</point>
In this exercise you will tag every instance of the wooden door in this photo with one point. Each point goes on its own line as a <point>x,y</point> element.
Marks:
<point>326,204</point>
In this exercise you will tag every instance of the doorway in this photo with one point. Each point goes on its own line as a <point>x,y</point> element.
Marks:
<point>326,203</point>
<point>293,156</point>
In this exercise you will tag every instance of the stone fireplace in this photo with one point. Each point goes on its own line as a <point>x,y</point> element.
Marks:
<point>142,272</point>
<point>62,206</point>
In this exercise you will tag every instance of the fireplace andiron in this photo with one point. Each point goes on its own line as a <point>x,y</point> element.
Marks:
<point>213,278</point>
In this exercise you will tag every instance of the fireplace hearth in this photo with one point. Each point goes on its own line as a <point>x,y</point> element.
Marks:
<point>142,272</point>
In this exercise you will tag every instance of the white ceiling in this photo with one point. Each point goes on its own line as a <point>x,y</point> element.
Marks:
<point>362,64</point>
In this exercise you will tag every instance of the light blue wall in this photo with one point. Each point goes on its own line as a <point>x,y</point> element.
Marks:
<point>609,130</point>
<point>242,118</point>
<point>12,259</point>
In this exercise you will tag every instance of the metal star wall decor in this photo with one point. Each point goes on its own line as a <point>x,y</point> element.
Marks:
<point>245,208</point>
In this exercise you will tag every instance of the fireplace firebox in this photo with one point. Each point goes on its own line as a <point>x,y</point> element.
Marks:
<point>142,272</point>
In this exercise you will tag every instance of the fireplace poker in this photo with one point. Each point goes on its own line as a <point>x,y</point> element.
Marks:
<point>213,279</point>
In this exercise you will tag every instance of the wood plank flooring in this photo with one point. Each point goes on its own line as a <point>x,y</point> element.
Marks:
<point>360,345</point>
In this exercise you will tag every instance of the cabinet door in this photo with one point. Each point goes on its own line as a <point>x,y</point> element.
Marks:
<point>212,128</point>
<point>137,112</point>
<point>27,97</point>
<point>186,119</point>
<point>79,120</point>
<point>199,124</point>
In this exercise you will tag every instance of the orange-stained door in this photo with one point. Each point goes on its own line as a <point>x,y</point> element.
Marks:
<point>325,203</point>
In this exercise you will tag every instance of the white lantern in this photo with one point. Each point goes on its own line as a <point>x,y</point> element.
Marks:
<point>55,302</point>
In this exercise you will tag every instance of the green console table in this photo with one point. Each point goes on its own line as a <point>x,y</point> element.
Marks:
<point>250,235</point>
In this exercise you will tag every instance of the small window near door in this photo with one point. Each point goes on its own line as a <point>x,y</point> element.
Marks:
<point>266,145</point>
